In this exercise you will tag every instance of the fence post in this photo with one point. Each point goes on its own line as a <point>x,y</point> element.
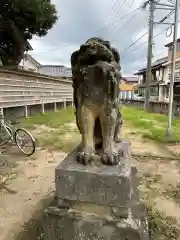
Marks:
<point>55,107</point>
<point>64,103</point>
<point>26,111</point>
<point>42,108</point>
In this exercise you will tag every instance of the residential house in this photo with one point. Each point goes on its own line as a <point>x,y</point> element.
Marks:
<point>127,88</point>
<point>159,88</point>
<point>55,70</point>
<point>177,68</point>
<point>29,63</point>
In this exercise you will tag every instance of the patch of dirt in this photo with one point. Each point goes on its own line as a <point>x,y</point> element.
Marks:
<point>168,207</point>
<point>175,149</point>
<point>142,146</point>
<point>42,128</point>
<point>26,183</point>
<point>71,125</point>
<point>157,180</point>
<point>34,182</point>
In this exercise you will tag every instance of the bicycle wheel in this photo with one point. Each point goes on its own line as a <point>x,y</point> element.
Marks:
<point>25,141</point>
<point>4,136</point>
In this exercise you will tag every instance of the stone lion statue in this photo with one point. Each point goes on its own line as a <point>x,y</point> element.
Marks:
<point>96,77</point>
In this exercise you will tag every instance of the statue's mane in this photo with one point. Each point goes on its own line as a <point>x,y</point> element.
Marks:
<point>93,50</point>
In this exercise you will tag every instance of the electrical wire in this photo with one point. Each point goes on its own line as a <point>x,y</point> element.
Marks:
<point>144,42</point>
<point>122,28</point>
<point>111,12</point>
<point>122,9</point>
<point>126,49</point>
<point>117,11</point>
<point>80,39</point>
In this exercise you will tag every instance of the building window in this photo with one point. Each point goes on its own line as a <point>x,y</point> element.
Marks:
<point>178,47</point>
<point>141,92</point>
<point>153,91</point>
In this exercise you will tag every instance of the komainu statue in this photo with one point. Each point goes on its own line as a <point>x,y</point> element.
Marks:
<point>96,77</point>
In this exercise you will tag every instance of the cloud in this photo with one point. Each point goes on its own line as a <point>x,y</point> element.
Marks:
<point>79,20</point>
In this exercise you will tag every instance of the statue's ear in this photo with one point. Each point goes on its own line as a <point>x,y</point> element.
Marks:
<point>116,55</point>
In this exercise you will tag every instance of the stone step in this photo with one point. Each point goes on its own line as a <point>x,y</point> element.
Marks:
<point>65,224</point>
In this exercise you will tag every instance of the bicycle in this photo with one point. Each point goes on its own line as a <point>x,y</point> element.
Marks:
<point>13,133</point>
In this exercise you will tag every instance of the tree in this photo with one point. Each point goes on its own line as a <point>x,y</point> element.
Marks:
<point>19,21</point>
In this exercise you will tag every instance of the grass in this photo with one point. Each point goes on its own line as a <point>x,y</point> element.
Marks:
<point>161,227</point>
<point>150,125</point>
<point>50,119</point>
<point>59,140</point>
<point>54,137</point>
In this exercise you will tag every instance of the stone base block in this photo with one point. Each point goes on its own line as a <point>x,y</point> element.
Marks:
<point>97,183</point>
<point>91,224</point>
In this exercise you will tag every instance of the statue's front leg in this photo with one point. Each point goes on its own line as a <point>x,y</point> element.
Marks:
<point>86,123</point>
<point>110,153</point>
<point>118,127</point>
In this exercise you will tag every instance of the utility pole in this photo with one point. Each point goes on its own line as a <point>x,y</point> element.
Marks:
<point>149,55</point>
<point>171,88</point>
<point>174,8</point>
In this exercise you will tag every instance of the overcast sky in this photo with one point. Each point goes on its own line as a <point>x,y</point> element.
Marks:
<point>82,19</point>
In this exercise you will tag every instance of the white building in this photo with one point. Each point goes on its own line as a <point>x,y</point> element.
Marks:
<point>55,71</point>
<point>29,63</point>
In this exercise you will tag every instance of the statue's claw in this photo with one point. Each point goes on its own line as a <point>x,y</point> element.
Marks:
<point>110,158</point>
<point>85,158</point>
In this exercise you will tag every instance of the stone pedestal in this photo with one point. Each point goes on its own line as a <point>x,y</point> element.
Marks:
<point>96,202</point>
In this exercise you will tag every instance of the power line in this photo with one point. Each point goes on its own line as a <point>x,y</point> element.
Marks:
<point>121,29</point>
<point>132,44</point>
<point>146,41</point>
<point>116,11</point>
<point>80,39</point>
<point>143,36</point>
<point>113,8</point>
<point>121,8</point>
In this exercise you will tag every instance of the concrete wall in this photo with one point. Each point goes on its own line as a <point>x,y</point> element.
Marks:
<point>24,93</point>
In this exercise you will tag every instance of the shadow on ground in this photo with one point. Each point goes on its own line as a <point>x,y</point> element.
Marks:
<point>33,229</point>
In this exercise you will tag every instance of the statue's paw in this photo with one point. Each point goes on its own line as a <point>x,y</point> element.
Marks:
<point>110,158</point>
<point>85,158</point>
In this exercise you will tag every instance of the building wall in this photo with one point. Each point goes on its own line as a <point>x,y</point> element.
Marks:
<point>22,89</point>
<point>27,65</point>
<point>127,90</point>
<point>55,71</point>
<point>166,75</point>
<point>68,72</point>
<point>177,52</point>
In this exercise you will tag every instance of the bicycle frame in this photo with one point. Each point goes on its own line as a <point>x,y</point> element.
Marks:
<point>11,135</point>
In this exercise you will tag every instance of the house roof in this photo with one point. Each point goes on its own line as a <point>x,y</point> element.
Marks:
<point>130,79</point>
<point>31,59</point>
<point>158,63</point>
<point>28,46</point>
<point>126,87</point>
<point>170,44</point>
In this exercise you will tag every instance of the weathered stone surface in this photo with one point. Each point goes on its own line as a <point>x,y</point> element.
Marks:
<point>96,76</point>
<point>66,224</point>
<point>99,184</point>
